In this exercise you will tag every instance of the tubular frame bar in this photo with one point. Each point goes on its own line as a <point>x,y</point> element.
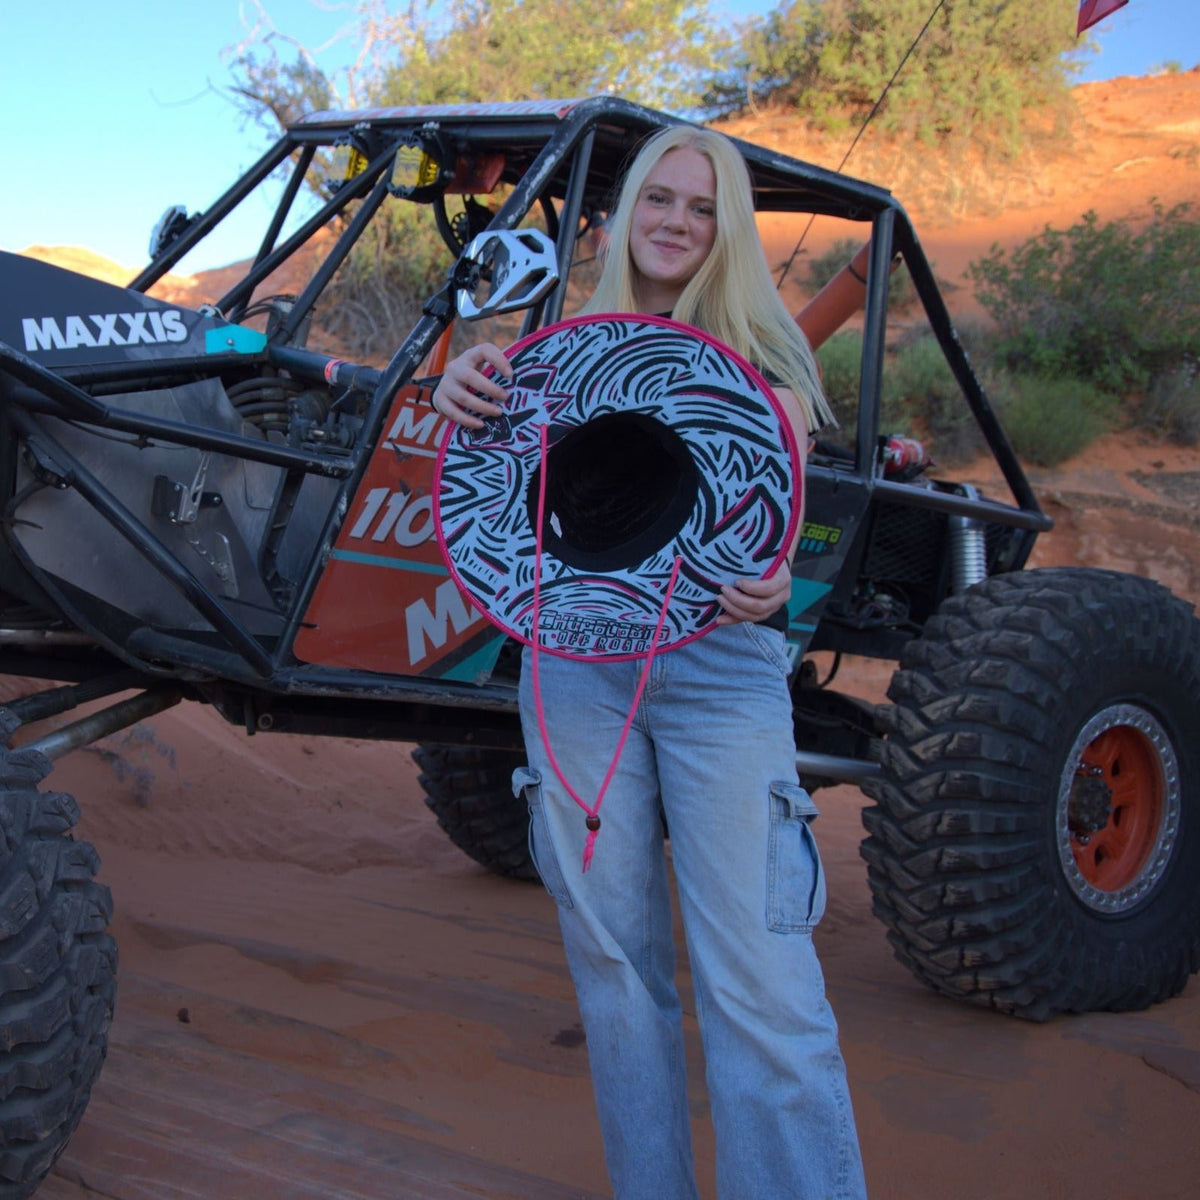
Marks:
<point>290,192</point>
<point>240,293</point>
<point>148,546</point>
<point>315,287</point>
<point>108,720</point>
<point>956,358</point>
<point>37,706</point>
<point>180,433</point>
<point>213,215</point>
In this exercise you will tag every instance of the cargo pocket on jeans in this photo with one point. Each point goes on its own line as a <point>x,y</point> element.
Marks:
<point>795,877</point>
<point>527,784</point>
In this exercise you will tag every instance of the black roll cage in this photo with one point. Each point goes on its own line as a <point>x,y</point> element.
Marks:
<point>570,151</point>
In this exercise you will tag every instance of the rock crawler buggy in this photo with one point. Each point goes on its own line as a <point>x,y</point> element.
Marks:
<point>200,506</point>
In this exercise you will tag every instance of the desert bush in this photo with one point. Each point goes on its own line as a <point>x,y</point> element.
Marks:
<point>1172,404</point>
<point>1050,420</point>
<point>921,395</point>
<point>978,338</point>
<point>376,295</point>
<point>981,66</point>
<point>841,369</point>
<point>1108,303</point>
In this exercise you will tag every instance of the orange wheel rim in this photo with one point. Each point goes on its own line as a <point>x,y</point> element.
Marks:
<point>1119,809</point>
<point>1113,857</point>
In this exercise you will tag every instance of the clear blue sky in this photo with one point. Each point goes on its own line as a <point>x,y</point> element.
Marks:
<point>110,112</point>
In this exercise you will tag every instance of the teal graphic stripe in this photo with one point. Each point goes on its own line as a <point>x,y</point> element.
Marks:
<point>478,666</point>
<point>396,564</point>
<point>805,593</point>
<point>235,338</point>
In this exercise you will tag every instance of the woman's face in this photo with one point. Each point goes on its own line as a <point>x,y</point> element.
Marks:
<point>673,228</point>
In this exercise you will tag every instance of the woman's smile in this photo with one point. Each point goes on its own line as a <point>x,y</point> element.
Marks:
<point>674,226</point>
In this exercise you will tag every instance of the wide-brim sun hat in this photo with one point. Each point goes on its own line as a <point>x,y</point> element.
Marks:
<point>670,469</point>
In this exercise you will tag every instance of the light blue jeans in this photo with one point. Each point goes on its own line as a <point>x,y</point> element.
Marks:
<point>710,752</point>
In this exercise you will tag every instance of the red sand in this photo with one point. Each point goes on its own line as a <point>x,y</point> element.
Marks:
<point>319,996</point>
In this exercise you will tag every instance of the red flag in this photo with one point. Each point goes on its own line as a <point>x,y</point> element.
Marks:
<point>1091,11</point>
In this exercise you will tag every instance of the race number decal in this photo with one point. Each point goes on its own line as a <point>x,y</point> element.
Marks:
<point>386,601</point>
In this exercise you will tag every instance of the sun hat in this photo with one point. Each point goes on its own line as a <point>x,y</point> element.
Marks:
<point>663,465</point>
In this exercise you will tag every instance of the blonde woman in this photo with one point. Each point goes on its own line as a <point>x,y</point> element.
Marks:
<point>710,752</point>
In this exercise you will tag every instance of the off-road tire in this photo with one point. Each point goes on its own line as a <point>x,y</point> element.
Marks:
<point>57,973</point>
<point>1035,842</point>
<point>469,790</point>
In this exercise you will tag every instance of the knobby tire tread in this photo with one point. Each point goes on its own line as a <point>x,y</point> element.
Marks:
<point>960,849</point>
<point>57,973</point>
<point>469,790</point>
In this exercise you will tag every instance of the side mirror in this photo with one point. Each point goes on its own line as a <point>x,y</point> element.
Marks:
<point>169,229</point>
<point>514,268</point>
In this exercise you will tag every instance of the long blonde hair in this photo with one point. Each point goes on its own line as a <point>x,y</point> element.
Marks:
<point>731,296</point>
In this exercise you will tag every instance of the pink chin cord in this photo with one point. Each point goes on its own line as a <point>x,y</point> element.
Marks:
<point>591,810</point>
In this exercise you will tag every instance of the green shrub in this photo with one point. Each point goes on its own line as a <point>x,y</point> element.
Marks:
<point>921,395</point>
<point>841,369</point>
<point>978,339</point>
<point>1172,404</point>
<point>376,295</point>
<point>1107,303</point>
<point>825,266</point>
<point>981,67</point>
<point>1050,420</point>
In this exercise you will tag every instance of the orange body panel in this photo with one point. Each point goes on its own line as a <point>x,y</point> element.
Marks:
<point>386,601</point>
<point>836,302</point>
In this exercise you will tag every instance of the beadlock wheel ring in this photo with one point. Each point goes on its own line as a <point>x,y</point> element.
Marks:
<point>1111,870</point>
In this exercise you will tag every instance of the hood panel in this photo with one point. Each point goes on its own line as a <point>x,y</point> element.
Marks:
<point>60,318</point>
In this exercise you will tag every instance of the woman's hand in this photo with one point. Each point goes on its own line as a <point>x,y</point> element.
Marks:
<point>465,393</point>
<point>755,599</point>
